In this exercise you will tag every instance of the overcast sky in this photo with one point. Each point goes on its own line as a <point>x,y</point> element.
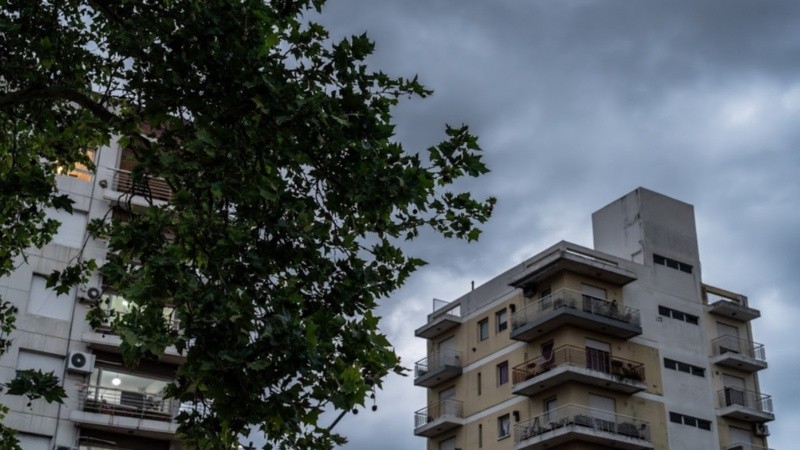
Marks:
<point>576,103</point>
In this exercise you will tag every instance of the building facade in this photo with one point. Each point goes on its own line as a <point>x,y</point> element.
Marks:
<point>109,406</point>
<point>621,346</point>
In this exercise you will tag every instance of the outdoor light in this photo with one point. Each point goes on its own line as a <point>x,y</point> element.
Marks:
<point>116,381</point>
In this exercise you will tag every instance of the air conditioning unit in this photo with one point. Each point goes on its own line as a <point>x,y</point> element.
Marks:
<point>88,293</point>
<point>760,429</point>
<point>80,362</point>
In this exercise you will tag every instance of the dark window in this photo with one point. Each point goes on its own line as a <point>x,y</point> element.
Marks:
<point>480,435</point>
<point>479,383</point>
<point>690,421</point>
<point>678,315</point>
<point>683,367</point>
<point>483,329</point>
<point>501,318</point>
<point>671,263</point>
<point>503,427</point>
<point>502,373</point>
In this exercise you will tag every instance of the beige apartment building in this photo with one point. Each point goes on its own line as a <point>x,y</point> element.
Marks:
<point>109,406</point>
<point>620,347</point>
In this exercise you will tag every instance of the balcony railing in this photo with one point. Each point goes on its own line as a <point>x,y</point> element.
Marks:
<point>593,360</point>
<point>732,344</point>
<point>730,396</point>
<point>582,420</point>
<point>587,310</point>
<point>120,402</point>
<point>444,409</point>
<point>445,317</point>
<point>439,360</point>
<point>150,187</point>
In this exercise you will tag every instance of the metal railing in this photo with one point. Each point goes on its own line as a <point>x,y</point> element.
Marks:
<point>588,358</point>
<point>731,396</point>
<point>743,446</point>
<point>444,308</point>
<point>607,421</point>
<point>120,402</point>
<point>733,344</point>
<point>435,361</point>
<point>566,298</point>
<point>445,408</point>
<point>152,187</point>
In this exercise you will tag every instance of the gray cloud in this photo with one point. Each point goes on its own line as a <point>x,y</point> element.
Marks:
<point>578,102</point>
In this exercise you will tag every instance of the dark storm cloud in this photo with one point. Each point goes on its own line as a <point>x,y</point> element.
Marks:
<point>578,102</point>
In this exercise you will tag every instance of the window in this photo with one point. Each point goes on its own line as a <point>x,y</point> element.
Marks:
<point>44,301</point>
<point>483,330</point>
<point>550,406</point>
<point>480,435</point>
<point>678,315</point>
<point>547,352</point>
<point>71,229</point>
<point>671,263</point>
<point>690,421</point>
<point>39,361</point>
<point>502,373</point>
<point>501,318</point>
<point>683,367</point>
<point>33,442</point>
<point>448,444</point>
<point>480,382</point>
<point>503,427</point>
<point>81,171</point>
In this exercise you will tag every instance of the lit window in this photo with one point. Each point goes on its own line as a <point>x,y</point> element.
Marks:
<point>483,330</point>
<point>503,427</point>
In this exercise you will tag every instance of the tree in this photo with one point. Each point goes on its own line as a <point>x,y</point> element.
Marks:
<point>290,198</point>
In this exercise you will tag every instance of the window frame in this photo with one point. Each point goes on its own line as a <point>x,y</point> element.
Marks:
<point>503,373</point>
<point>501,324</point>
<point>504,419</point>
<point>483,329</point>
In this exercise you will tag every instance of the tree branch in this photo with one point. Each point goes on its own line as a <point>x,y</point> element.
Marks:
<point>57,92</point>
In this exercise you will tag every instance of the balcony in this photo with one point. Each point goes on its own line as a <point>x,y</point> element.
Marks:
<point>742,446</point>
<point>445,317</point>
<point>587,366</point>
<point>731,351</point>
<point>437,368</point>
<point>566,256</point>
<point>146,192</point>
<point>733,310</point>
<point>749,406</point>
<point>146,414</point>
<point>438,418</point>
<point>566,307</point>
<point>104,337</point>
<point>574,423</point>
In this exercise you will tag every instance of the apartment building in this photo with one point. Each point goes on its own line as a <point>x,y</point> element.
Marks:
<point>109,405</point>
<point>622,346</point>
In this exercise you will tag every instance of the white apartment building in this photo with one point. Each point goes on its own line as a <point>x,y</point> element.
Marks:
<point>617,347</point>
<point>109,406</point>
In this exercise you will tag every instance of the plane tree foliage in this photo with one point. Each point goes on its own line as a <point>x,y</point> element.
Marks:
<point>291,198</point>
